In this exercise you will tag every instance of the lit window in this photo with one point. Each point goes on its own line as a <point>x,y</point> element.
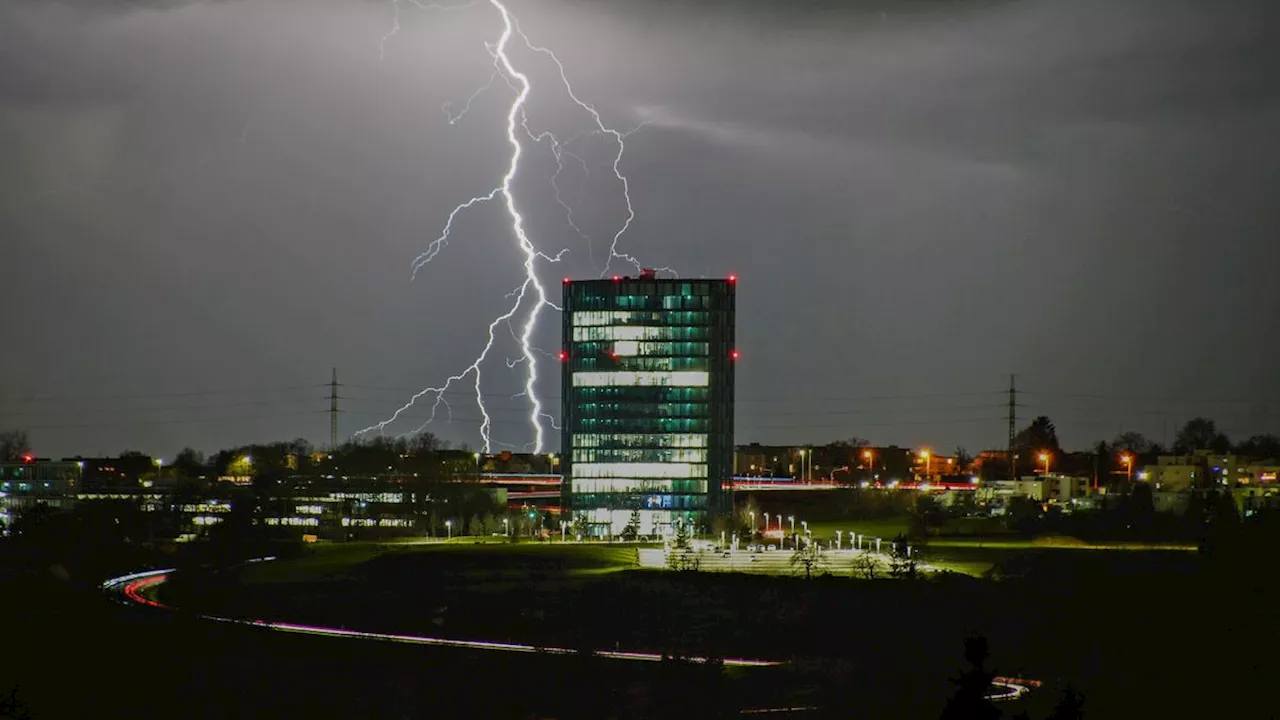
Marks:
<point>605,379</point>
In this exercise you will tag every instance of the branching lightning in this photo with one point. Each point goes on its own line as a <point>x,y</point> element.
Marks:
<point>531,294</point>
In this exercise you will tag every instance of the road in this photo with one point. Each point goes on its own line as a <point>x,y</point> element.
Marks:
<point>139,588</point>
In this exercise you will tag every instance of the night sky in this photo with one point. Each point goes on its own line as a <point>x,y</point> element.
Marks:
<point>205,206</point>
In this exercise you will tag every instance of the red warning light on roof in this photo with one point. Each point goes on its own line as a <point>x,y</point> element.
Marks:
<point>563,356</point>
<point>617,278</point>
<point>28,457</point>
<point>567,281</point>
<point>733,278</point>
<point>735,354</point>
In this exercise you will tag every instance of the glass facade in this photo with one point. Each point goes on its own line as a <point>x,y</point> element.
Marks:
<point>648,401</point>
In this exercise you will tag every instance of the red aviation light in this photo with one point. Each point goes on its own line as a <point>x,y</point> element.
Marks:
<point>28,458</point>
<point>567,281</point>
<point>733,278</point>
<point>617,278</point>
<point>735,354</point>
<point>564,355</point>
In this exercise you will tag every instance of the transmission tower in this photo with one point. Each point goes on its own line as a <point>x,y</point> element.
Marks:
<point>333,412</point>
<point>1013,427</point>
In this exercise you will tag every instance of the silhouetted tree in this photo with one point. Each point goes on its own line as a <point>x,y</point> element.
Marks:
<point>12,708</point>
<point>13,445</point>
<point>809,557</point>
<point>1261,447</point>
<point>902,560</point>
<point>1132,441</point>
<point>970,701</point>
<point>1142,508</point>
<point>925,515</point>
<point>1069,707</point>
<point>632,529</point>
<point>963,458</point>
<point>865,566</point>
<point>1023,514</point>
<point>1200,434</point>
<point>189,463</point>
<point>1040,435</point>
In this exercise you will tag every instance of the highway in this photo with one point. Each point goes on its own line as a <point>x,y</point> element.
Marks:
<point>139,588</point>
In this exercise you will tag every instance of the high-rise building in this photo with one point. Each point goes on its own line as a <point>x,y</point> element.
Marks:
<point>647,402</point>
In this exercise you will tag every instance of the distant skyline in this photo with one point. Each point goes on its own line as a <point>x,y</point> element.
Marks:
<point>206,205</point>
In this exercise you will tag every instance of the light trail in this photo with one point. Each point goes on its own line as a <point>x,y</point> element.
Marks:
<point>531,295</point>
<point>134,584</point>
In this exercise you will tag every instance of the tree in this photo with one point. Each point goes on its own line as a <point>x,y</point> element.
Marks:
<point>1200,434</point>
<point>963,458</point>
<point>1022,514</point>
<point>970,701</point>
<point>1069,707</point>
<point>924,515</point>
<point>810,557</point>
<point>632,529</point>
<point>13,445</point>
<point>475,526</point>
<point>680,556</point>
<point>1260,446</point>
<point>865,565</point>
<point>1041,434</point>
<point>1131,441</point>
<point>902,561</point>
<point>13,708</point>
<point>189,463</point>
<point>749,514</point>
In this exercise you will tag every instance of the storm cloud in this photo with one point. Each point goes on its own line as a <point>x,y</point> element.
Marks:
<point>207,205</point>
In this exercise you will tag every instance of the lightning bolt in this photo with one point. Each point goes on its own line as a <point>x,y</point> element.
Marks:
<point>531,291</point>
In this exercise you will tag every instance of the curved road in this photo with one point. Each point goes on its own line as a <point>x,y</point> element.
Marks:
<point>137,588</point>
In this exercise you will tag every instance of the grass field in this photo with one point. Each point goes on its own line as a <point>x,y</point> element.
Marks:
<point>459,560</point>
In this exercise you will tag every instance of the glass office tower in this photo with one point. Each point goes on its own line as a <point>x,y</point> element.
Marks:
<point>647,387</point>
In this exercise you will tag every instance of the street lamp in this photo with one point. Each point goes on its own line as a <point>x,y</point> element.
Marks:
<point>802,452</point>
<point>792,518</point>
<point>506,527</point>
<point>477,462</point>
<point>1044,458</point>
<point>804,525</point>
<point>753,523</point>
<point>766,522</point>
<point>448,526</point>
<point>928,462</point>
<point>1127,459</point>
<point>867,455</point>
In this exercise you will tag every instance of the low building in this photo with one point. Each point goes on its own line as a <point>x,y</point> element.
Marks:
<point>1046,489</point>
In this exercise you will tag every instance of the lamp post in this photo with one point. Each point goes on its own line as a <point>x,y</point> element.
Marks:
<point>1127,459</point>
<point>564,537</point>
<point>1044,458</point>
<point>802,451</point>
<point>766,523</point>
<point>928,462</point>
<point>753,523</point>
<point>477,463</point>
<point>448,526</point>
<point>506,527</point>
<point>868,455</point>
<point>838,534</point>
<point>792,518</point>
<point>804,525</point>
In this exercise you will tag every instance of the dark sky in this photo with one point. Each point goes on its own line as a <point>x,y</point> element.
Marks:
<point>205,206</point>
